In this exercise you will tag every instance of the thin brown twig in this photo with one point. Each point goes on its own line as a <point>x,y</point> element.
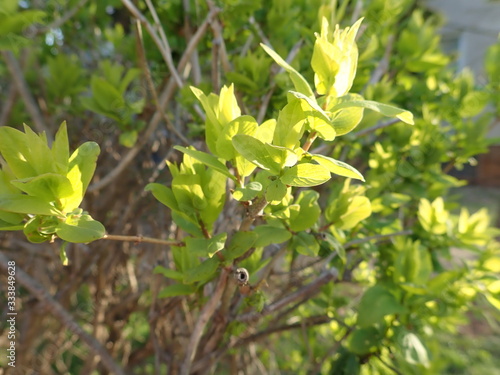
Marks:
<point>307,290</point>
<point>64,317</point>
<point>139,239</point>
<point>24,91</point>
<point>205,315</point>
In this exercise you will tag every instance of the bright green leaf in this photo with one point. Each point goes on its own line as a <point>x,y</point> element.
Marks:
<point>80,229</point>
<point>305,174</point>
<point>207,159</point>
<point>268,234</point>
<point>338,167</point>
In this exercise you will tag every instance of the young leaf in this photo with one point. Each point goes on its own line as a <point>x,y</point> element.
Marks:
<point>207,159</point>
<point>15,151</point>
<point>80,229</point>
<point>290,126</point>
<point>175,290</point>
<point>81,168</point>
<point>25,204</point>
<point>275,192</point>
<point>240,244</point>
<point>308,213</point>
<point>168,272</point>
<point>60,150</point>
<point>269,234</point>
<point>298,80</point>
<point>305,244</point>
<point>386,110</point>
<point>359,209</point>
<point>163,194</point>
<point>265,156</point>
<point>206,246</point>
<point>49,187</point>
<point>305,174</point>
<point>213,127</point>
<point>247,193</point>
<point>338,167</point>
<point>240,125</point>
<point>202,272</point>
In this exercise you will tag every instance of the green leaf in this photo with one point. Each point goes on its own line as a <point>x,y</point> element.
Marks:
<point>269,234</point>
<point>206,246</point>
<point>163,194</point>
<point>15,151</point>
<point>359,209</point>
<point>290,126</point>
<point>337,246</point>
<point>386,110</point>
<point>188,192</point>
<point>265,156</point>
<point>308,213</point>
<point>80,229</point>
<point>207,159</point>
<point>240,125</point>
<point>275,192</point>
<point>305,244</point>
<point>60,150</point>
<point>168,272</point>
<point>228,108</point>
<point>247,193</point>
<point>240,244</point>
<point>175,290</point>
<point>202,272</point>
<point>82,164</point>
<point>265,132</point>
<point>213,127</point>
<point>311,105</point>
<point>39,156</point>
<point>298,80</point>
<point>49,187</point>
<point>25,204</point>
<point>305,174</point>
<point>338,167</point>
<point>376,303</point>
<point>345,120</point>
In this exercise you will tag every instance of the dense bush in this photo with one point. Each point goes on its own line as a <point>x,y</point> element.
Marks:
<point>304,224</point>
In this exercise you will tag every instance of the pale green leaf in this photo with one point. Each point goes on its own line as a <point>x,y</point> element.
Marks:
<point>207,159</point>
<point>338,167</point>
<point>305,174</point>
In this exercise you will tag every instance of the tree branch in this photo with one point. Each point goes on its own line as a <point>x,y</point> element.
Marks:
<point>308,290</point>
<point>205,315</point>
<point>139,239</point>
